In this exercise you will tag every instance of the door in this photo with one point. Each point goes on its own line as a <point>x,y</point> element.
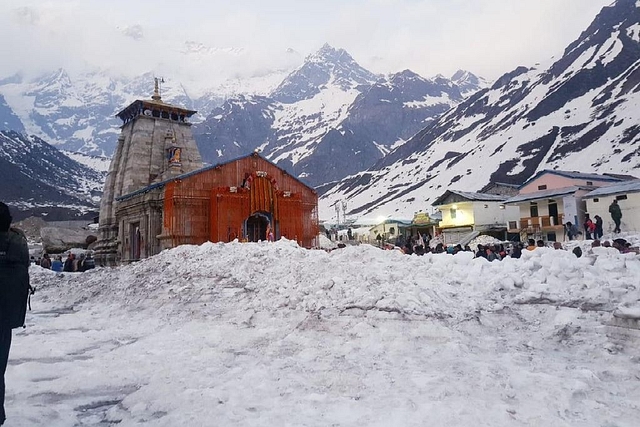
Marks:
<point>256,227</point>
<point>135,240</point>
<point>553,212</point>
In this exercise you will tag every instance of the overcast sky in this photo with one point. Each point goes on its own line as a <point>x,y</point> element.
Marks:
<point>487,37</point>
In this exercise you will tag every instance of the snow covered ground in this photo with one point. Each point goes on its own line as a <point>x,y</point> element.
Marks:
<point>269,334</point>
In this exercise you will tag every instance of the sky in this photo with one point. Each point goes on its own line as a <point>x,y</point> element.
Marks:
<point>270,334</point>
<point>253,37</point>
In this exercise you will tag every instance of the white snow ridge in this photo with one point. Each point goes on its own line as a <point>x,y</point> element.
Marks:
<point>270,334</point>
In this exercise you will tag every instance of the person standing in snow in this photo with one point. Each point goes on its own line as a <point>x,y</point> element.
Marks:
<point>599,231</point>
<point>616,215</point>
<point>45,262</point>
<point>14,289</point>
<point>269,232</point>
<point>572,230</point>
<point>68,263</point>
<point>516,252</point>
<point>492,255</point>
<point>57,265</point>
<point>589,229</point>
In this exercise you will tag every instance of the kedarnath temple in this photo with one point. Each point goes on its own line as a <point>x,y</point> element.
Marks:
<point>158,195</point>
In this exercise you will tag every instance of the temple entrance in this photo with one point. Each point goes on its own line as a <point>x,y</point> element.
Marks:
<point>135,241</point>
<point>256,226</point>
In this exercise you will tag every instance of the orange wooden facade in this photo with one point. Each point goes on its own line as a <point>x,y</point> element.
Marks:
<point>240,199</point>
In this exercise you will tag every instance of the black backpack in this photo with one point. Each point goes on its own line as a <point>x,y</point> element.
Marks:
<point>14,279</point>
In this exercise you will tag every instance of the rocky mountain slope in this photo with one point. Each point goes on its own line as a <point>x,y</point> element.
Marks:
<point>37,179</point>
<point>329,118</point>
<point>582,113</point>
<point>8,119</point>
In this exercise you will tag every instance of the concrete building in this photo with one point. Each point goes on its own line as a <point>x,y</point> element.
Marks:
<point>389,229</point>
<point>552,198</point>
<point>466,215</point>
<point>628,196</point>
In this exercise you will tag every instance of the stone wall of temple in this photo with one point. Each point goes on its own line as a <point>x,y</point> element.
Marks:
<point>150,149</point>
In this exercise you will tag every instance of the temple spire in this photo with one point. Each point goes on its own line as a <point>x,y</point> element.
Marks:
<point>156,89</point>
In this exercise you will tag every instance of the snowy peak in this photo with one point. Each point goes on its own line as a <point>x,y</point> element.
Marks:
<point>327,66</point>
<point>468,82</point>
<point>328,119</point>
<point>410,87</point>
<point>329,54</point>
<point>405,76</point>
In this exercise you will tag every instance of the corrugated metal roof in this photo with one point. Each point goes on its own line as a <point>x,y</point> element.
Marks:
<point>575,175</point>
<point>474,197</point>
<point>544,194</point>
<point>195,172</point>
<point>624,187</point>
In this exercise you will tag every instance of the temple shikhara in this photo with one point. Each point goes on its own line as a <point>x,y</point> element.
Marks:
<point>158,194</point>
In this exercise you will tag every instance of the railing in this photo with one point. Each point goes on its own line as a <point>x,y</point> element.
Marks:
<point>537,223</point>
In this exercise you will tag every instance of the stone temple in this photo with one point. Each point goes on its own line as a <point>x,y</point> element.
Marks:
<point>155,144</point>
<point>158,195</point>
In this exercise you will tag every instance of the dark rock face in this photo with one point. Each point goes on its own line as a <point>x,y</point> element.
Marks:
<point>328,119</point>
<point>236,128</point>
<point>580,114</point>
<point>38,179</point>
<point>8,119</point>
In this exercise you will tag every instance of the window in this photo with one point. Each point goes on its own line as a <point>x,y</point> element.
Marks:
<point>589,182</point>
<point>453,213</point>
<point>533,209</point>
<point>513,225</point>
<point>621,197</point>
<point>542,187</point>
<point>596,200</point>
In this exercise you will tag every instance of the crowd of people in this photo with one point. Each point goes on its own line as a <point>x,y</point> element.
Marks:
<point>499,251</point>
<point>71,264</point>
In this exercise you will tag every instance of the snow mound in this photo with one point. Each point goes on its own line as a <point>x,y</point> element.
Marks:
<point>355,280</point>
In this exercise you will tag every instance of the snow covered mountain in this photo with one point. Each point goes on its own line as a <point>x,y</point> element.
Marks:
<point>37,179</point>
<point>468,82</point>
<point>78,113</point>
<point>582,113</point>
<point>329,118</point>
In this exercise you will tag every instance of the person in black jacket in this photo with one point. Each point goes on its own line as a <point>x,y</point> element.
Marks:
<point>599,227</point>
<point>14,289</point>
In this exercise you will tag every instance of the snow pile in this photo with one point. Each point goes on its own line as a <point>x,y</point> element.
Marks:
<point>483,240</point>
<point>358,279</point>
<point>270,334</point>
